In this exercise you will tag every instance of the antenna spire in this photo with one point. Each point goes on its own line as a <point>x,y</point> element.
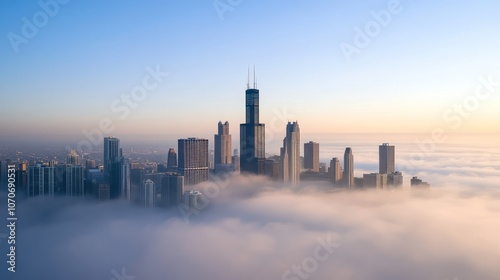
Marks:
<point>254,78</point>
<point>248,81</point>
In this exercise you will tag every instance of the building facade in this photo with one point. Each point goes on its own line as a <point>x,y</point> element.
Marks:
<point>193,160</point>
<point>311,156</point>
<point>290,155</point>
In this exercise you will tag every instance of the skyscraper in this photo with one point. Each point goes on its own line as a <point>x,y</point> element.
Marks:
<point>290,155</point>
<point>172,160</point>
<point>222,143</point>
<point>74,180</point>
<point>41,181</point>
<point>148,194</point>
<point>335,171</point>
<point>236,160</point>
<point>395,179</point>
<point>387,161</point>
<point>348,168</point>
<point>252,134</point>
<point>73,158</point>
<point>111,151</point>
<point>119,179</point>
<point>311,156</point>
<point>375,181</point>
<point>171,190</point>
<point>193,160</point>
<point>193,199</point>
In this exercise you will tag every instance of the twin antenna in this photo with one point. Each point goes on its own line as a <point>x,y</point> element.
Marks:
<point>254,78</point>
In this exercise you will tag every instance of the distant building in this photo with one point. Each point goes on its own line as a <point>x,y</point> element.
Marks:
<point>395,179</point>
<point>348,168</point>
<point>111,152</point>
<point>193,160</point>
<point>73,180</point>
<point>160,168</point>
<point>171,190</point>
<point>119,179</point>
<point>358,183</point>
<point>311,156</point>
<point>322,168</point>
<point>41,181</point>
<point>236,161</point>
<point>290,155</point>
<point>387,159</point>
<point>73,158</point>
<point>90,164</point>
<point>419,184</point>
<point>272,169</point>
<point>222,145</point>
<point>252,134</point>
<point>193,199</point>
<point>375,181</point>
<point>102,192</point>
<point>172,160</point>
<point>335,171</point>
<point>148,194</point>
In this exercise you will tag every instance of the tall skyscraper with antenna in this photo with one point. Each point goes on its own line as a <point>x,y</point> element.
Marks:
<point>252,133</point>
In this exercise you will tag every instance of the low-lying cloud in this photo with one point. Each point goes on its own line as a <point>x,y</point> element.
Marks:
<point>258,229</point>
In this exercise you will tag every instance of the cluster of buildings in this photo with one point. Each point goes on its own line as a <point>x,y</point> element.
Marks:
<point>163,185</point>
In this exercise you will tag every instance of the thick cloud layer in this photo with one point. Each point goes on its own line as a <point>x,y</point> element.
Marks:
<point>253,228</point>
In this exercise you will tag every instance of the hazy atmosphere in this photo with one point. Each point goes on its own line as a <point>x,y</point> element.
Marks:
<point>233,139</point>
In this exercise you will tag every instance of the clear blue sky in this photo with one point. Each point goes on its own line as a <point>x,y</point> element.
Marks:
<point>89,53</point>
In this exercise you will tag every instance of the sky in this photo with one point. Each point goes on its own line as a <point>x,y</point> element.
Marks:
<point>418,64</point>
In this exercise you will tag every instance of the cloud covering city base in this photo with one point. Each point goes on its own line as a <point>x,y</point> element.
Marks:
<point>253,228</point>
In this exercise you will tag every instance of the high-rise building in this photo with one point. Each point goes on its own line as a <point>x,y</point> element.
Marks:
<point>387,158</point>
<point>395,179</point>
<point>111,152</point>
<point>375,181</point>
<point>290,155</point>
<point>335,171</point>
<point>236,160</point>
<point>348,168</point>
<point>148,194</point>
<point>272,169</point>
<point>172,160</point>
<point>119,179</point>
<point>171,190</point>
<point>193,199</point>
<point>193,160</point>
<point>311,156</point>
<point>41,181</point>
<point>252,134</point>
<point>419,184</point>
<point>90,164</point>
<point>222,144</point>
<point>73,180</point>
<point>73,158</point>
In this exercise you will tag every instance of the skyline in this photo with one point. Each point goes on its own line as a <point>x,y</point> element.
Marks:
<point>233,139</point>
<point>301,69</point>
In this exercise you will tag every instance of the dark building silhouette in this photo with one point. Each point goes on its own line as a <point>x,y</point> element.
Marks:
<point>111,152</point>
<point>311,156</point>
<point>172,160</point>
<point>387,158</point>
<point>252,134</point>
<point>41,181</point>
<point>171,190</point>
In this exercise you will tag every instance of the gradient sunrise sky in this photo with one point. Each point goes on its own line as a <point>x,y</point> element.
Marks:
<point>429,57</point>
